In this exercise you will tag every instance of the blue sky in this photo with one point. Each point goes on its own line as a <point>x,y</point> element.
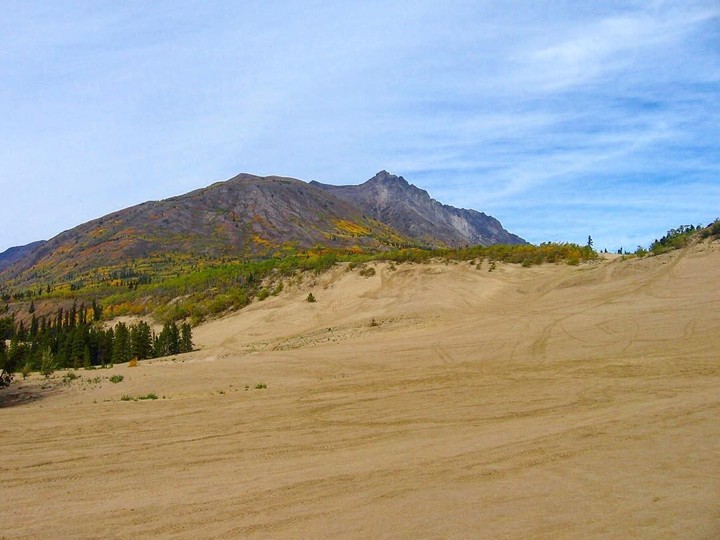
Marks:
<point>561,119</point>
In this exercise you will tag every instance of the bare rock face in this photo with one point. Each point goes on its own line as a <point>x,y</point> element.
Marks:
<point>411,211</point>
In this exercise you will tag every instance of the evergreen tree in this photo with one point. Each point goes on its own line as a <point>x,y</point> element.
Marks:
<point>121,344</point>
<point>6,371</point>
<point>168,342</point>
<point>186,343</point>
<point>33,327</point>
<point>141,341</point>
<point>105,347</point>
<point>97,311</point>
<point>87,359</point>
<point>78,346</point>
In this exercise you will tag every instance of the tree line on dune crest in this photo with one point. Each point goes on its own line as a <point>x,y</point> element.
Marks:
<point>75,338</point>
<point>678,238</point>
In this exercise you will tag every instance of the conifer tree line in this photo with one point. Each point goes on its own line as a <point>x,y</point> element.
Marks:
<point>74,338</point>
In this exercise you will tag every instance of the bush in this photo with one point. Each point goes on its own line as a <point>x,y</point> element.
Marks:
<point>311,298</point>
<point>116,379</point>
<point>263,294</point>
<point>220,303</point>
<point>48,365</point>
<point>70,376</point>
<point>260,386</point>
<point>26,370</point>
<point>151,395</point>
<point>712,230</point>
<point>674,239</point>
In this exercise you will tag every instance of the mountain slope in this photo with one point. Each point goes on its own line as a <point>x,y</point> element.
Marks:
<point>244,216</point>
<point>411,210</point>
<point>15,254</point>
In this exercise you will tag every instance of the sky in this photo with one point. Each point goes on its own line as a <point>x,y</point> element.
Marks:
<point>562,119</point>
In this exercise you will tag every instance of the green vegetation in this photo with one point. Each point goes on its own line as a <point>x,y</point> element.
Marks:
<point>711,230</point>
<point>260,386</point>
<point>311,298</point>
<point>127,397</point>
<point>679,238</point>
<point>116,379</point>
<point>70,340</point>
<point>674,239</point>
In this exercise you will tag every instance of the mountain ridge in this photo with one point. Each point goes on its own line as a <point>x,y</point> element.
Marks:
<point>410,210</point>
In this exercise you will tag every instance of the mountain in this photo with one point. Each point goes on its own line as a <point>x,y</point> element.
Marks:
<point>411,211</point>
<point>256,216</point>
<point>245,216</point>
<point>15,254</point>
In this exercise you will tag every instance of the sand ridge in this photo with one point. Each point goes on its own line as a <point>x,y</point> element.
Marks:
<point>546,402</point>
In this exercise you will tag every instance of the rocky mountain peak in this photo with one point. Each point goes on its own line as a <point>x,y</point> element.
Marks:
<point>393,200</point>
<point>387,179</point>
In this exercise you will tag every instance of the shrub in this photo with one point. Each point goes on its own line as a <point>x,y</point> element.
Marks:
<point>26,370</point>
<point>133,362</point>
<point>263,294</point>
<point>311,298</point>
<point>711,230</point>
<point>48,364</point>
<point>260,386</point>
<point>70,376</point>
<point>116,379</point>
<point>151,395</point>
<point>220,303</point>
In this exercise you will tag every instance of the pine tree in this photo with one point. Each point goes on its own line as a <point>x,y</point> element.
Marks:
<point>168,342</point>
<point>186,343</point>
<point>141,341</point>
<point>121,344</point>
<point>97,310</point>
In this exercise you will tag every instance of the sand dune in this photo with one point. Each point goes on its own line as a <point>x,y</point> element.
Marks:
<point>435,401</point>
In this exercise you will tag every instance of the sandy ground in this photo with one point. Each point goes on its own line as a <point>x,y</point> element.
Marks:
<point>551,402</point>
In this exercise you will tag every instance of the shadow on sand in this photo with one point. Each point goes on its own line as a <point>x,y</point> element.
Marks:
<point>20,393</point>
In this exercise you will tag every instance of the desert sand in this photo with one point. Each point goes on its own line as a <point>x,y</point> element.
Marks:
<point>426,401</point>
